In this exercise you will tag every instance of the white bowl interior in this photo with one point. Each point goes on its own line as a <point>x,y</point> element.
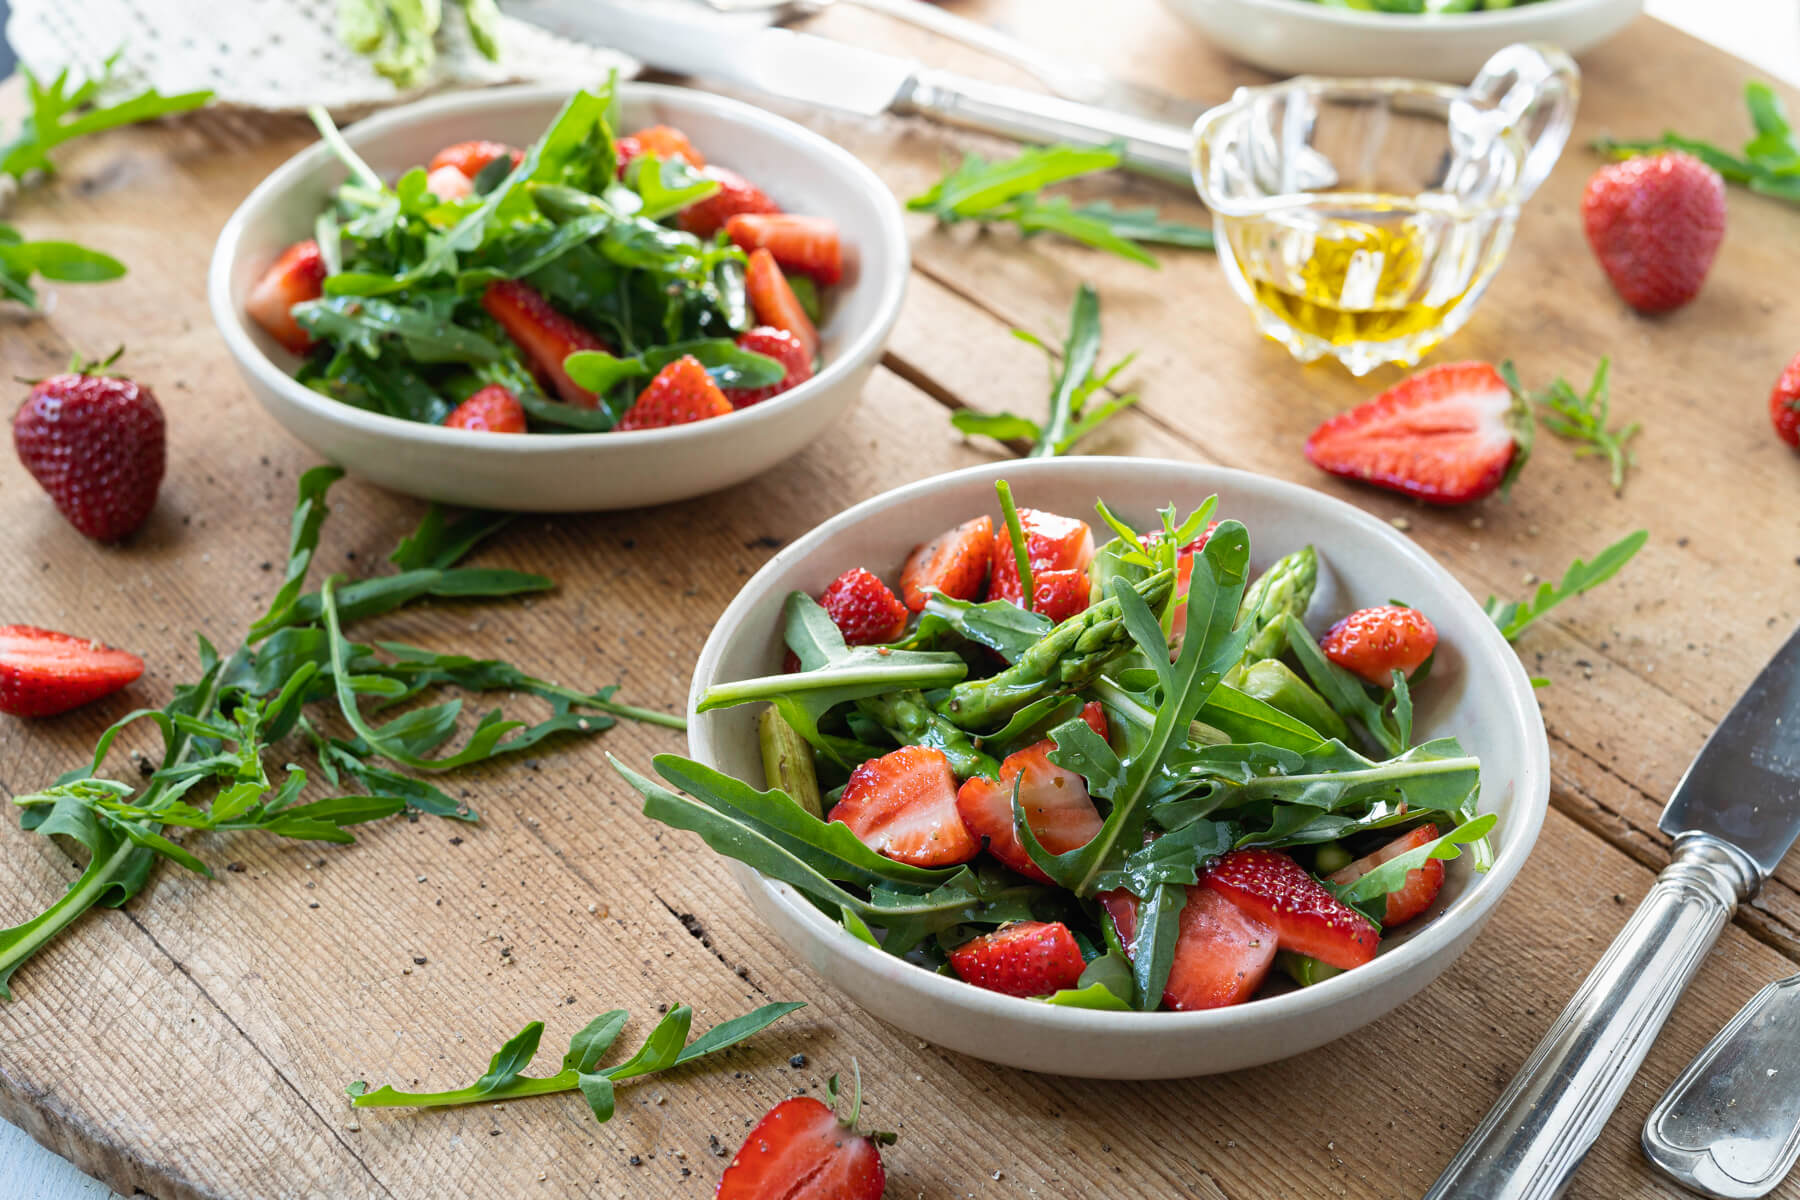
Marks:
<point>1477,690</point>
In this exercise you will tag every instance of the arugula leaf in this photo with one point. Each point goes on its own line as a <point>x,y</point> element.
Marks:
<point>64,262</point>
<point>1513,617</point>
<point>1369,893</point>
<point>58,115</point>
<point>1581,417</point>
<point>1073,383</point>
<point>667,1046</point>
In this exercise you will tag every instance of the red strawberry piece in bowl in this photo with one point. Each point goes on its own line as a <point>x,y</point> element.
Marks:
<point>954,562</point>
<point>97,444</point>
<point>448,183</point>
<point>1222,953</point>
<point>1059,595</point>
<point>1271,887</point>
<point>1052,543</point>
<point>493,409</point>
<point>298,275</point>
<point>864,609</point>
<point>682,392</point>
<point>785,349</point>
<point>1447,435</point>
<point>1373,643</point>
<point>735,195</point>
<point>44,673</point>
<point>772,299</point>
<point>1054,799</point>
<point>1422,883</point>
<point>1026,958</point>
<point>545,335</point>
<point>664,141</point>
<point>471,158</point>
<point>1655,224</point>
<point>903,805</point>
<point>809,245</point>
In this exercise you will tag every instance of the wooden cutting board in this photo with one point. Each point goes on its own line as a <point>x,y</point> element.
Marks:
<point>196,1043</point>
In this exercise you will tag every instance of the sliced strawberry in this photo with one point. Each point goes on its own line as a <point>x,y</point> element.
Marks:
<point>775,304</point>
<point>493,409</point>
<point>664,141</point>
<point>1422,883</point>
<point>903,805</point>
<point>471,157</point>
<point>1276,890</point>
<point>1059,595</point>
<point>1054,799</point>
<point>544,334</point>
<point>864,609</point>
<point>1184,570</point>
<point>1447,435</point>
<point>681,393</point>
<point>43,673</point>
<point>785,349</point>
<point>809,245</point>
<point>955,562</point>
<point>800,1150</point>
<point>1222,953</point>
<point>735,195</point>
<point>1373,643</point>
<point>447,183</point>
<point>1052,543</point>
<point>1027,958</point>
<point>298,275</point>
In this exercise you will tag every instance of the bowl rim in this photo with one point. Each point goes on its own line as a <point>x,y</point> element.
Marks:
<point>1461,919</point>
<point>1490,20</point>
<point>232,324</point>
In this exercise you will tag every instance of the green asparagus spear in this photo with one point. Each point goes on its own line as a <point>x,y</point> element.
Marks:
<point>788,761</point>
<point>1285,587</point>
<point>1066,659</point>
<point>910,720</point>
<point>1303,970</point>
<point>1275,685</point>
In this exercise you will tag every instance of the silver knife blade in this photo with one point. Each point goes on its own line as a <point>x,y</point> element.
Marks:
<point>1744,785</point>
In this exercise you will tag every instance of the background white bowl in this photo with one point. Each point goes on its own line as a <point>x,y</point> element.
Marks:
<point>1477,690</point>
<point>1299,37</point>
<point>574,472</point>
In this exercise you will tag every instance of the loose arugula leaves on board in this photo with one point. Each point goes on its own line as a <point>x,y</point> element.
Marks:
<point>59,114</point>
<point>1582,417</point>
<point>1007,192</point>
<point>666,1046</point>
<point>1769,163</point>
<point>1513,617</point>
<point>63,262</point>
<point>1073,384</point>
<point>218,732</point>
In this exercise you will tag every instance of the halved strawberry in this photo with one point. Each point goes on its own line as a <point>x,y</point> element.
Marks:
<point>1026,958</point>
<point>493,409</point>
<point>1054,799</point>
<point>735,195</point>
<point>43,673</point>
<point>682,392</point>
<point>1276,890</point>
<point>664,141</point>
<point>864,609</point>
<point>1373,643</point>
<point>1052,543</point>
<point>903,805</point>
<point>801,1150</point>
<point>471,157</point>
<point>544,334</point>
<point>1222,953</point>
<point>785,349</point>
<point>955,562</point>
<point>775,304</point>
<point>447,183</point>
<point>1422,884</point>
<point>809,245</point>
<point>1447,435</point>
<point>298,275</point>
<point>1059,595</point>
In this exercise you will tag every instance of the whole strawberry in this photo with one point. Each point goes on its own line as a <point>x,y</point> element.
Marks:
<point>1784,404</point>
<point>1655,224</point>
<point>96,444</point>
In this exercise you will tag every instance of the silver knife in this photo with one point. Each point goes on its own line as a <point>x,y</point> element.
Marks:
<point>816,70</point>
<point>1733,815</point>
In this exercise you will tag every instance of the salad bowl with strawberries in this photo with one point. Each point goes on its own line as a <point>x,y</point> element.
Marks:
<point>1247,771</point>
<point>526,299</point>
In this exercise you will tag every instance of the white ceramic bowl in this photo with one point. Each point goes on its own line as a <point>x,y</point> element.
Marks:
<point>1300,37</point>
<point>574,472</point>
<point>1477,690</point>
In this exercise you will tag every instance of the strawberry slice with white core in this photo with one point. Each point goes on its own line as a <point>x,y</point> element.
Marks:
<point>903,805</point>
<point>299,274</point>
<point>1422,883</point>
<point>43,672</point>
<point>1307,919</point>
<point>1447,435</point>
<point>1054,799</point>
<point>1052,543</point>
<point>1222,953</point>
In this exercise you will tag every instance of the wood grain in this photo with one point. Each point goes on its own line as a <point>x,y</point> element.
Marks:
<point>196,1044</point>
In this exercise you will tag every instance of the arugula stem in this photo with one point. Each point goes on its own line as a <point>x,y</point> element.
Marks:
<point>1016,531</point>
<point>649,716</point>
<point>1383,771</point>
<point>524,1085</point>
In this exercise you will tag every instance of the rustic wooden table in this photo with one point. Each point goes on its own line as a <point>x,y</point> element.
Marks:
<point>197,1042</point>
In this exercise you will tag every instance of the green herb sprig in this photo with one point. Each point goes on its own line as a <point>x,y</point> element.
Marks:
<point>1007,192</point>
<point>58,115</point>
<point>1582,417</point>
<point>1074,383</point>
<point>219,731</point>
<point>1513,617</point>
<point>667,1046</point>
<point>1769,163</point>
<point>63,262</point>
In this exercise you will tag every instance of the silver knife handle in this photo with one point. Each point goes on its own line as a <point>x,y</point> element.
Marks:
<point>1151,147</point>
<point>1544,1122</point>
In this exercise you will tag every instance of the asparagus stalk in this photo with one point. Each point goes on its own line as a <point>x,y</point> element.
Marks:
<point>1275,685</point>
<point>1286,587</point>
<point>788,762</point>
<point>910,720</point>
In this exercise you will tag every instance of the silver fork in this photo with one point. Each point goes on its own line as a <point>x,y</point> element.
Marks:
<point>1068,80</point>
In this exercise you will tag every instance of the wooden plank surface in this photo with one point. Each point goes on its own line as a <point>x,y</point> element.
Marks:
<point>196,1043</point>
